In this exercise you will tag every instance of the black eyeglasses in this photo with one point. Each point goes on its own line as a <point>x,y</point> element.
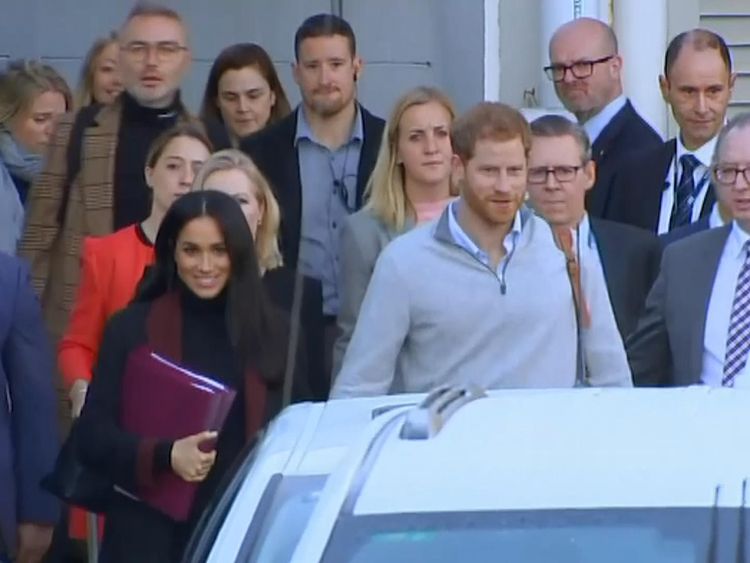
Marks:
<point>562,174</point>
<point>579,69</point>
<point>728,174</point>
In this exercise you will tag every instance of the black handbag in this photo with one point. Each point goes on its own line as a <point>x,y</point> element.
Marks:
<point>74,482</point>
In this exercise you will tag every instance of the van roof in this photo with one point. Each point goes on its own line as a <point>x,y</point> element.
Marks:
<point>577,448</point>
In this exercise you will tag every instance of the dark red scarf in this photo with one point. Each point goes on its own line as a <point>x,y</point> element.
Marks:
<point>164,333</point>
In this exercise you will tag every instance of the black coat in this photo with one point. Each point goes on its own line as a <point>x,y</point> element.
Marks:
<point>625,133</point>
<point>630,259</point>
<point>635,196</point>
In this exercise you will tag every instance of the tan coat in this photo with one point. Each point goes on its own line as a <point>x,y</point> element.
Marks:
<point>54,253</point>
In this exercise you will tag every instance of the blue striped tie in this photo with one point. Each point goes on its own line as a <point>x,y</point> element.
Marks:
<point>682,211</point>
<point>738,339</point>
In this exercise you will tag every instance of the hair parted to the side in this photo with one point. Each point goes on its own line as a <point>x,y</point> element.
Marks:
<point>236,57</point>
<point>23,81</point>
<point>255,329</point>
<point>84,95</point>
<point>324,25</point>
<point>700,40</point>
<point>488,121</point>
<point>267,240</point>
<point>193,130</point>
<point>552,125</point>
<point>385,191</point>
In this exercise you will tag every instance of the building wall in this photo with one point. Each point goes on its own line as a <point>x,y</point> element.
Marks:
<point>404,42</point>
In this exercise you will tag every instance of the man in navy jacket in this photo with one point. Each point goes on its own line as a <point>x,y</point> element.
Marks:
<point>29,437</point>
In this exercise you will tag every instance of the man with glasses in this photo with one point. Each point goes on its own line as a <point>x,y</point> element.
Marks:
<point>695,327</point>
<point>94,183</point>
<point>667,187</point>
<point>587,72</point>
<point>320,157</point>
<point>560,173</point>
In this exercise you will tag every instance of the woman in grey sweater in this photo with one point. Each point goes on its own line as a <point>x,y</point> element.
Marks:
<point>410,184</point>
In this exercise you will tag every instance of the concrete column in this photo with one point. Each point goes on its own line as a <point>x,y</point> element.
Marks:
<point>641,27</point>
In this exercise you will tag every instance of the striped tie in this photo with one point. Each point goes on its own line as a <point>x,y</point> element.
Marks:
<point>684,193</point>
<point>738,339</point>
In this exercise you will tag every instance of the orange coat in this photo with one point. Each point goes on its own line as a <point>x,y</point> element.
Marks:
<point>111,268</point>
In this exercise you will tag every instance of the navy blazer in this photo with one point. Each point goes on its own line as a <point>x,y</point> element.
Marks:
<point>626,132</point>
<point>29,438</point>
<point>635,196</point>
<point>679,233</point>
<point>273,151</point>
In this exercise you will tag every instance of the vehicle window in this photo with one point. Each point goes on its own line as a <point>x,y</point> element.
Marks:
<point>280,528</point>
<point>564,536</point>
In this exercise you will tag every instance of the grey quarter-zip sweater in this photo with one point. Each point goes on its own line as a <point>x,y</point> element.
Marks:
<point>435,315</point>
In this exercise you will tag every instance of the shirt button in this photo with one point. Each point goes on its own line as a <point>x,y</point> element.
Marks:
<point>334,225</point>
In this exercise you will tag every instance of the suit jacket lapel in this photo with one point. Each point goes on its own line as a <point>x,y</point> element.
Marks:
<point>698,283</point>
<point>660,170</point>
<point>612,267</point>
<point>601,146</point>
<point>99,145</point>
<point>372,133</point>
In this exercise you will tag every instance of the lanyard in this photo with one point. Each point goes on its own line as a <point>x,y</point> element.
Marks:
<point>696,187</point>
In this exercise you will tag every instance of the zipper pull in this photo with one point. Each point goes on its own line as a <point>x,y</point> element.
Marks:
<point>503,287</point>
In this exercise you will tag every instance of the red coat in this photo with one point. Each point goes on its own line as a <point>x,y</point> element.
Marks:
<point>111,268</point>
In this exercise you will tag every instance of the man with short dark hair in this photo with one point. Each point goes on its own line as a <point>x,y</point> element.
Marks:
<point>320,157</point>
<point>560,173</point>
<point>694,329</point>
<point>586,68</point>
<point>484,295</point>
<point>28,431</point>
<point>668,187</point>
<point>107,189</point>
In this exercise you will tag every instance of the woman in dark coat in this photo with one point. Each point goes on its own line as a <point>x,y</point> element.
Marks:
<point>202,305</point>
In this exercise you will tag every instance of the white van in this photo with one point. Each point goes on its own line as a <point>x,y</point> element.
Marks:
<point>576,475</point>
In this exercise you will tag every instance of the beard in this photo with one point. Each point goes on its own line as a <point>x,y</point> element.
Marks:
<point>329,106</point>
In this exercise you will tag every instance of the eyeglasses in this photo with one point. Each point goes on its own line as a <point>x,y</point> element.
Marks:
<point>579,69</point>
<point>562,174</point>
<point>728,174</point>
<point>166,51</point>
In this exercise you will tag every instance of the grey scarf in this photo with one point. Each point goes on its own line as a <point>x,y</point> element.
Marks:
<point>14,161</point>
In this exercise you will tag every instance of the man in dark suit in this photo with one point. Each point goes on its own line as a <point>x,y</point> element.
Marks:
<point>29,437</point>
<point>320,157</point>
<point>561,171</point>
<point>693,329</point>
<point>586,69</point>
<point>666,187</point>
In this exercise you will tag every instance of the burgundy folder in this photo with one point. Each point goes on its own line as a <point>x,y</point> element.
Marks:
<point>164,401</point>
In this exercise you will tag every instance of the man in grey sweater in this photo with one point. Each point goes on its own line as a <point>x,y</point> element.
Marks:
<point>483,295</point>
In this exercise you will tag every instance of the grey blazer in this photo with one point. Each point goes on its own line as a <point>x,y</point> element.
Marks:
<point>667,346</point>
<point>363,238</point>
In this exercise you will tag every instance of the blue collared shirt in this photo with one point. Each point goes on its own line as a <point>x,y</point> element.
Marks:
<point>464,240</point>
<point>329,178</point>
<point>596,124</point>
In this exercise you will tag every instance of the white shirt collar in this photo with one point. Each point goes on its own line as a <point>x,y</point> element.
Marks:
<point>704,153</point>
<point>465,241</point>
<point>737,239</point>
<point>595,125</point>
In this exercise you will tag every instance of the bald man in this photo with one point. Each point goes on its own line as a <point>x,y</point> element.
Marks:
<point>587,72</point>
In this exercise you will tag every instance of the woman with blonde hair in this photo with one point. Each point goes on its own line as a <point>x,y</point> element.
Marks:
<point>410,184</point>
<point>32,96</point>
<point>232,172</point>
<point>100,82</point>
